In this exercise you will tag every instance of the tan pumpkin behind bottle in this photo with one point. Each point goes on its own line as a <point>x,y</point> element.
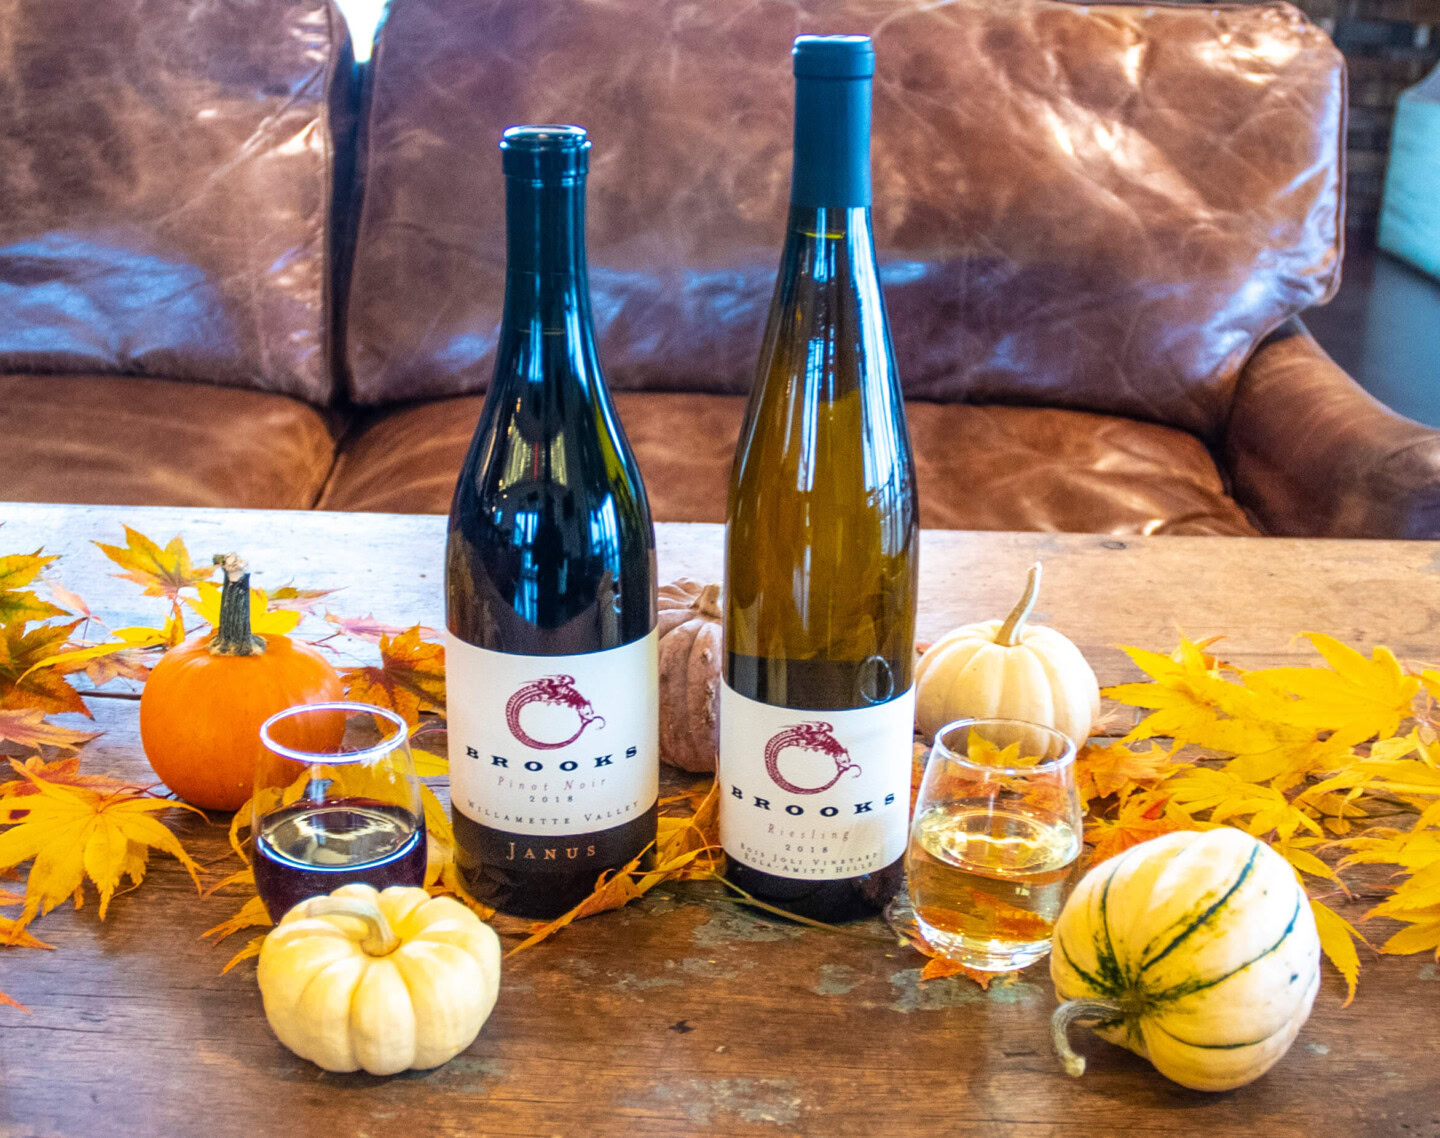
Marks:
<point>691,642</point>
<point>204,702</point>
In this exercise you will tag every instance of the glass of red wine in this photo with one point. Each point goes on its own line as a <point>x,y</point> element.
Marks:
<point>336,801</point>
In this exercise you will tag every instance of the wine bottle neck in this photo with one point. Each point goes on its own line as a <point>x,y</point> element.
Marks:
<point>832,142</point>
<point>547,292</point>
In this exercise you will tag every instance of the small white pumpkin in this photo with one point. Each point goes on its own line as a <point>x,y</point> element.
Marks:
<point>1007,670</point>
<point>380,981</point>
<point>1196,950</point>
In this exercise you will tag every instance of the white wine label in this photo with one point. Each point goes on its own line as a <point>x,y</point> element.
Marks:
<point>553,744</point>
<point>815,794</point>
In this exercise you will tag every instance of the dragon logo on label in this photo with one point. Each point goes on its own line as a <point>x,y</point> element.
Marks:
<point>553,691</point>
<point>816,737</point>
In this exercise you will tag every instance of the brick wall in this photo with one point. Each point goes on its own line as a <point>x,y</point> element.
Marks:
<point>1389,45</point>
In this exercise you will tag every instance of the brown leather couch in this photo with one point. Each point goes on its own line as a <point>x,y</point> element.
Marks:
<point>237,270</point>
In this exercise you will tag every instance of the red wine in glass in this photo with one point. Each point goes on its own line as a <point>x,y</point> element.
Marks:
<point>308,849</point>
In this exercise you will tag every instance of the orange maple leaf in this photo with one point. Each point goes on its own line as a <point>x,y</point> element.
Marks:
<point>681,844</point>
<point>22,684</point>
<point>27,729</point>
<point>1141,816</point>
<point>162,572</point>
<point>1101,771</point>
<point>409,680</point>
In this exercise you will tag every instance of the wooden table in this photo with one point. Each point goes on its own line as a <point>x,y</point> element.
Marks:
<point>683,1015</point>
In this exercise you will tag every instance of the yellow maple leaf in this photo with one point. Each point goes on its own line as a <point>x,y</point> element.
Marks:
<point>126,640</point>
<point>162,572</point>
<point>63,772</point>
<point>409,680</point>
<point>19,605</point>
<point>1337,941</point>
<point>1355,698</point>
<point>74,833</point>
<point>265,620</point>
<point>252,915</point>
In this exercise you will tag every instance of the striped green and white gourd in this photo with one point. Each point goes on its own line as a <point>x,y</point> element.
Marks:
<point>1196,950</point>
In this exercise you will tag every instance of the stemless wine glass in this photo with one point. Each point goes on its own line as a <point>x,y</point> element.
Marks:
<point>336,801</point>
<point>995,841</point>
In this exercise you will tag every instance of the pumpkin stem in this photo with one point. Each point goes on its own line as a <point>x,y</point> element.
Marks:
<point>1066,1014</point>
<point>233,636</point>
<point>379,938</point>
<point>1009,634</point>
<point>708,602</point>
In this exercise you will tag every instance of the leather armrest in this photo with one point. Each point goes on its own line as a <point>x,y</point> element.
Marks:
<point>1309,453</point>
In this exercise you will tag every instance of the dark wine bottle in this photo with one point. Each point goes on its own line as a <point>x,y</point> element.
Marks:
<point>551,653</point>
<point>817,709</point>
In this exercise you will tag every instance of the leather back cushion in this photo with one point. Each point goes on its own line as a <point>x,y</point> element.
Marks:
<point>1099,207</point>
<point>165,179</point>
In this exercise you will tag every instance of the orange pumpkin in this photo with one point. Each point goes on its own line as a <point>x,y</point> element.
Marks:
<point>204,702</point>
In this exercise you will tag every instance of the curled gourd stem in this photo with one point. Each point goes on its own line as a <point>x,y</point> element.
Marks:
<point>1069,1012</point>
<point>379,938</point>
<point>1009,634</point>
<point>233,636</point>
<point>708,602</point>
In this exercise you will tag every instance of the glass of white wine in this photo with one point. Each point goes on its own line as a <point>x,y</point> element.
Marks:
<point>995,842</point>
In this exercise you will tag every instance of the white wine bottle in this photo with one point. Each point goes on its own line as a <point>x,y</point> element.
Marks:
<point>817,709</point>
<point>551,667</point>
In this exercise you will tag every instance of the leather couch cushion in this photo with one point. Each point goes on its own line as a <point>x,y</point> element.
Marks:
<point>149,442</point>
<point>1094,206</point>
<point>165,179</point>
<point>1010,468</point>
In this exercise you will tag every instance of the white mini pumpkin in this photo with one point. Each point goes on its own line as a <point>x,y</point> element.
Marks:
<point>1196,950</point>
<point>1007,670</point>
<point>380,981</point>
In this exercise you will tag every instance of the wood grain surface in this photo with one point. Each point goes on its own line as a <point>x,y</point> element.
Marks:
<point>684,1015</point>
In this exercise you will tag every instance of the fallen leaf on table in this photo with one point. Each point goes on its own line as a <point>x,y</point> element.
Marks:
<point>251,949</point>
<point>74,833</point>
<point>252,915</point>
<point>73,602</point>
<point>162,572</point>
<point>615,890</point>
<point>1141,816</point>
<point>1101,771</point>
<point>1356,698</point>
<point>19,605</point>
<point>302,601</point>
<point>21,684</point>
<point>11,1002</point>
<point>126,640</point>
<point>27,728</point>
<point>264,621</point>
<point>125,665</point>
<point>409,680</point>
<point>14,934</point>
<point>368,628</point>
<point>939,969</point>
<point>1337,941</point>
<point>64,772</point>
